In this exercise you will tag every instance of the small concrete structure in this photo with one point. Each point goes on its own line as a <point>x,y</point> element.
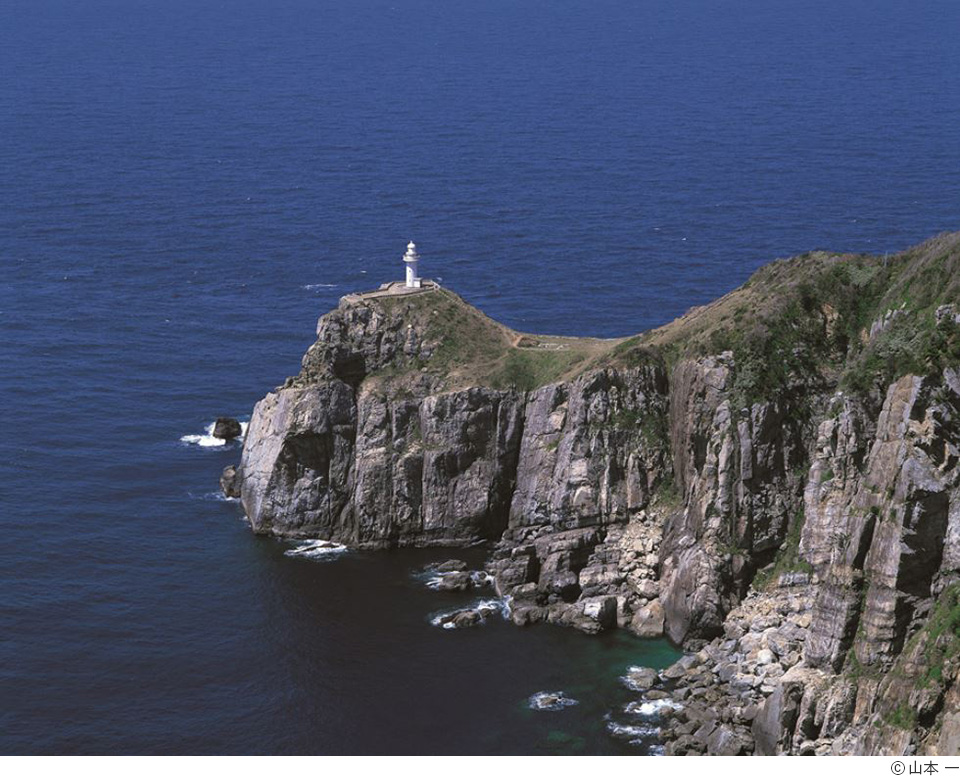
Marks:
<point>395,288</point>
<point>413,284</point>
<point>410,258</point>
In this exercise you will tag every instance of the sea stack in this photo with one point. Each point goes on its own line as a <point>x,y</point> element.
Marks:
<point>227,428</point>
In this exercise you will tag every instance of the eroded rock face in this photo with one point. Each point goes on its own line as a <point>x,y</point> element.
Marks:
<point>589,461</point>
<point>649,499</point>
<point>296,461</point>
<point>371,471</point>
<point>860,654</point>
<point>437,471</point>
<point>589,455</point>
<point>356,340</point>
<point>739,477</point>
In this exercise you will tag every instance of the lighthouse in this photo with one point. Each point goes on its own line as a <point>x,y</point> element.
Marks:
<point>410,258</point>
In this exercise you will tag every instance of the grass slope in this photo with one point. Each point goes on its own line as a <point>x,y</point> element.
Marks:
<point>800,320</point>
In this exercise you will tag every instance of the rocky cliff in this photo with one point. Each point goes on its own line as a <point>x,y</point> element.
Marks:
<point>770,481</point>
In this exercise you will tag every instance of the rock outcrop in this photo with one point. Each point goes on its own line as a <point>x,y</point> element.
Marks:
<point>227,428</point>
<point>770,481</point>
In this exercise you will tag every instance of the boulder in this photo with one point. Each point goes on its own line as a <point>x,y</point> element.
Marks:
<point>550,701</point>
<point>724,742</point>
<point>455,581</point>
<point>227,428</point>
<point>648,622</point>
<point>604,611</point>
<point>640,678</point>
<point>467,619</point>
<point>527,615</point>
<point>450,565</point>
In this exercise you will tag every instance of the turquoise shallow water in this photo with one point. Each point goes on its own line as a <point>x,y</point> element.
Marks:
<point>187,186</point>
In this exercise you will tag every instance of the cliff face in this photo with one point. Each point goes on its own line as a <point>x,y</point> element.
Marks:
<point>770,480</point>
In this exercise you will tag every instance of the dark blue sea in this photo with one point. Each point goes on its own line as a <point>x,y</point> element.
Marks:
<point>185,186</point>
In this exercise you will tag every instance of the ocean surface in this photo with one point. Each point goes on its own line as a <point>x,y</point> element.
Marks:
<point>187,186</point>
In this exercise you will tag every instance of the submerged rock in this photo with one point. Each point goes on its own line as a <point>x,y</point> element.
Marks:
<point>452,576</point>
<point>448,565</point>
<point>454,580</point>
<point>550,701</point>
<point>640,678</point>
<point>468,617</point>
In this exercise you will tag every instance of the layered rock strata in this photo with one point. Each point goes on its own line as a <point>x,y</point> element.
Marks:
<point>771,481</point>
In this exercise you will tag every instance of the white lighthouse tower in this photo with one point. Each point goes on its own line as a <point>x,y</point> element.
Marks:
<point>410,258</point>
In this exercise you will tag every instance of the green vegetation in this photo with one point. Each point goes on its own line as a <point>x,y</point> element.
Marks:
<point>667,493</point>
<point>942,633</point>
<point>469,348</point>
<point>788,558</point>
<point>655,429</point>
<point>903,717</point>
<point>799,321</point>
<point>625,419</point>
<point>808,319</point>
<point>629,353</point>
<point>912,343</point>
<point>463,334</point>
<point>527,369</point>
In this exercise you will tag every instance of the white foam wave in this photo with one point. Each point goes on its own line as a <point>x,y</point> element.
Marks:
<point>214,496</point>
<point>651,708</point>
<point>481,578</point>
<point>630,681</point>
<point>489,606</point>
<point>635,734</point>
<point>315,286</point>
<point>316,549</point>
<point>477,578</point>
<point>550,701</point>
<point>433,582</point>
<point>484,607</point>
<point>207,439</point>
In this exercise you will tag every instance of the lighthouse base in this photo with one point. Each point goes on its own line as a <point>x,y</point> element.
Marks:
<point>396,288</point>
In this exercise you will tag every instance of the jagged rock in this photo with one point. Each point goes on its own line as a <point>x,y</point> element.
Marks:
<point>230,482</point>
<point>450,565</point>
<point>603,611</point>
<point>375,472</point>
<point>647,588</point>
<point>527,615</point>
<point>640,678</point>
<point>725,742</point>
<point>797,544</point>
<point>648,622</point>
<point>227,428</point>
<point>455,581</point>
<point>464,618</point>
<point>467,619</point>
<point>765,657</point>
<point>686,745</point>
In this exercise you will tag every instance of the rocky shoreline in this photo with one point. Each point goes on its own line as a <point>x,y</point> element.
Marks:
<point>770,481</point>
